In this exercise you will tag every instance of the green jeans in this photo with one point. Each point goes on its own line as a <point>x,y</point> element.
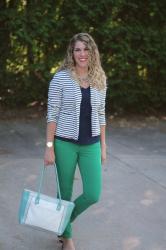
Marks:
<point>88,158</point>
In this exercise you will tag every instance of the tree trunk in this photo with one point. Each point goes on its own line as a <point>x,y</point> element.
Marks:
<point>30,55</point>
<point>5,41</point>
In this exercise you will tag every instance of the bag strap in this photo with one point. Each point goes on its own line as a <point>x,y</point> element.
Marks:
<point>57,182</point>
<point>41,178</point>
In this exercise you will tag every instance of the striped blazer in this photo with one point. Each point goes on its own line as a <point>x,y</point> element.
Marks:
<point>64,100</point>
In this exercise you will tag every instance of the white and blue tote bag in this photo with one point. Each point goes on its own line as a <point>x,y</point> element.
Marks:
<point>43,212</point>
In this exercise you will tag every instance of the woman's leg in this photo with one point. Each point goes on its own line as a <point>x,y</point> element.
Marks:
<point>66,160</point>
<point>89,160</point>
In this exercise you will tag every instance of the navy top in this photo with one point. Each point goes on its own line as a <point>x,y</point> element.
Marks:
<point>85,133</point>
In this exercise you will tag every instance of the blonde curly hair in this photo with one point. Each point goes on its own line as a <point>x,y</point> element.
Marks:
<point>95,72</point>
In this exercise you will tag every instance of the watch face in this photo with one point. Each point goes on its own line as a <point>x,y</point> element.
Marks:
<point>49,144</point>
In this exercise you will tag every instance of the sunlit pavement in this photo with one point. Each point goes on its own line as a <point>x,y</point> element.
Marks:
<point>131,214</point>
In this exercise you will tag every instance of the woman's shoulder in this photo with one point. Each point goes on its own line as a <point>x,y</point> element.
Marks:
<point>62,74</point>
<point>60,78</point>
<point>100,91</point>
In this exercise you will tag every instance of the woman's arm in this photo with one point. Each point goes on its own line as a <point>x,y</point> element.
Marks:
<point>102,135</point>
<point>53,110</point>
<point>49,157</point>
<point>50,131</point>
<point>103,143</point>
<point>102,122</point>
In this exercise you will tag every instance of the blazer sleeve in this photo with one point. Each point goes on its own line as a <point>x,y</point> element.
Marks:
<point>102,119</point>
<point>54,99</point>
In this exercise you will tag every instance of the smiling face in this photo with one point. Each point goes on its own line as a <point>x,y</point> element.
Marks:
<point>81,55</point>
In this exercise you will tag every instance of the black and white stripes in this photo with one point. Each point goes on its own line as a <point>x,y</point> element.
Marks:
<point>64,100</point>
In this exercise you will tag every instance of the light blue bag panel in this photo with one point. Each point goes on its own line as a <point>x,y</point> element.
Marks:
<point>23,205</point>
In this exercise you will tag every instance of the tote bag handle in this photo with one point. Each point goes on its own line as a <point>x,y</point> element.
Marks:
<point>41,178</point>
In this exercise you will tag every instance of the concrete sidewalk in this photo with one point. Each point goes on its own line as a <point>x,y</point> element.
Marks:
<point>131,214</point>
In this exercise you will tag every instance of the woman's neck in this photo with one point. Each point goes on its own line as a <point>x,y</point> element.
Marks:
<point>81,71</point>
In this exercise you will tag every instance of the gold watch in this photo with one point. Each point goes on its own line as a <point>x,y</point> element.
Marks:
<point>49,144</point>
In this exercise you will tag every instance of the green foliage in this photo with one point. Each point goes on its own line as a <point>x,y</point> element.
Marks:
<point>131,36</point>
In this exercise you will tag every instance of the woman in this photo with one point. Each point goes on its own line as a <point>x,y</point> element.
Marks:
<point>76,124</point>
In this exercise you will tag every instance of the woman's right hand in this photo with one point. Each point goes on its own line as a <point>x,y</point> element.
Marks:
<point>49,156</point>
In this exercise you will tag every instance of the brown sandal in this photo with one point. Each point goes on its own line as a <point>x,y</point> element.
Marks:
<point>60,239</point>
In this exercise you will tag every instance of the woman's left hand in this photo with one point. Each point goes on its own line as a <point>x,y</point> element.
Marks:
<point>103,153</point>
